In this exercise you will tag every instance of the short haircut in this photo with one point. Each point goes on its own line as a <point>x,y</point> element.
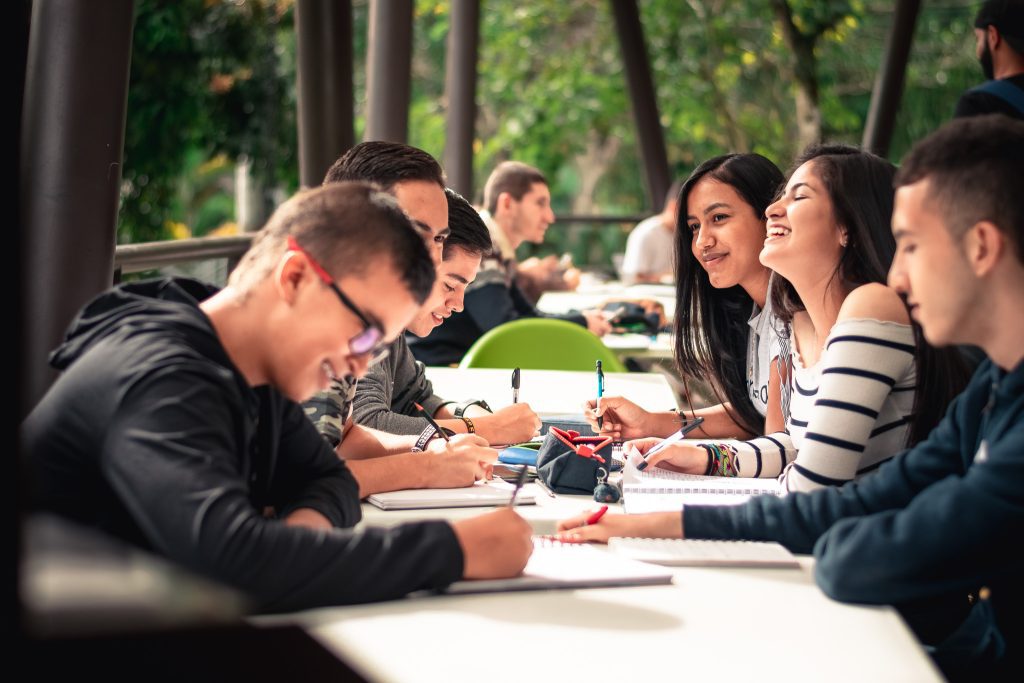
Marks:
<point>513,177</point>
<point>385,163</point>
<point>974,166</point>
<point>348,228</point>
<point>1008,18</point>
<point>468,230</point>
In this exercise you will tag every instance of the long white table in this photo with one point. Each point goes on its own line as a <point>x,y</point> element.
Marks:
<point>710,625</point>
<point>552,392</point>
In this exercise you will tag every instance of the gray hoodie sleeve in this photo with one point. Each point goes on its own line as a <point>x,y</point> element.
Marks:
<point>385,397</point>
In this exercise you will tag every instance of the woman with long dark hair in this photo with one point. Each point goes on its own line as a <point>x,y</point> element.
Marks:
<point>723,322</point>
<point>860,382</point>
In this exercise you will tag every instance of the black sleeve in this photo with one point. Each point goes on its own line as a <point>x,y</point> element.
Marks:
<point>309,474</point>
<point>175,458</point>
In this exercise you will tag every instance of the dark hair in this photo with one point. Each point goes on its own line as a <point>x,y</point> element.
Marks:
<point>385,163</point>
<point>974,167</point>
<point>860,186</point>
<point>513,177</point>
<point>348,227</point>
<point>1008,18</point>
<point>711,328</point>
<point>468,230</point>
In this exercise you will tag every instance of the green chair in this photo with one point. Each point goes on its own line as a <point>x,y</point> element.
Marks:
<point>540,344</point>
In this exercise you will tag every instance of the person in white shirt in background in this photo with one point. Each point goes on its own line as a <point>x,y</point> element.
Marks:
<point>650,246</point>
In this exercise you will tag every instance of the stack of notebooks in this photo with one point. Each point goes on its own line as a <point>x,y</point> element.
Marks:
<point>658,490</point>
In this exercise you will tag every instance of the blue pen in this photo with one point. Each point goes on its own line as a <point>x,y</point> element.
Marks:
<point>600,393</point>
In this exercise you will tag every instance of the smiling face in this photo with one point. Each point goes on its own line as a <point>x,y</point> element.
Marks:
<point>314,327</point>
<point>727,234</point>
<point>425,204</point>
<point>931,270</point>
<point>448,295</point>
<point>803,238</point>
<point>528,219</point>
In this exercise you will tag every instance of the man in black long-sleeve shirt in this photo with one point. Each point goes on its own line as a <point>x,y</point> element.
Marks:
<point>174,425</point>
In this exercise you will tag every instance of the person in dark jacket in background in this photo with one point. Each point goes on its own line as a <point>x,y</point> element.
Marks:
<point>175,427</point>
<point>936,530</point>
<point>999,36</point>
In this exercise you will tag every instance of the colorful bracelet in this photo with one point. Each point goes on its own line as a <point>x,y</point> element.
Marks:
<point>722,460</point>
<point>470,427</point>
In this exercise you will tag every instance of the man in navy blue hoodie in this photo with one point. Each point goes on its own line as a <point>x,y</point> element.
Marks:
<point>935,531</point>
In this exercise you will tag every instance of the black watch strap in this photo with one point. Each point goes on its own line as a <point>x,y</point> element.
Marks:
<point>461,408</point>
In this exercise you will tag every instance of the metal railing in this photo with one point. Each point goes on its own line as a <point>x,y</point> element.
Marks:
<point>133,258</point>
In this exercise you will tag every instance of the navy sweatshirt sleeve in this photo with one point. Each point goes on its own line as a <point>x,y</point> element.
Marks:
<point>172,455</point>
<point>931,521</point>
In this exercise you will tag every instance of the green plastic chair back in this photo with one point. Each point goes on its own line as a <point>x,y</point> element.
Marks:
<point>540,344</point>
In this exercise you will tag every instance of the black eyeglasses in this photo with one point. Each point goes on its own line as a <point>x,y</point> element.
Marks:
<point>366,342</point>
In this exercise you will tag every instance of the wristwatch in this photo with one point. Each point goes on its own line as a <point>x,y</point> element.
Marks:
<point>461,408</point>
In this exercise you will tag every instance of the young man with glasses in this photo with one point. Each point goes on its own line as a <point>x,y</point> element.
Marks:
<point>174,425</point>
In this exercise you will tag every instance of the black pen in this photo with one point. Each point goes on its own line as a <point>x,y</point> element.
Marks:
<point>519,484</point>
<point>438,428</point>
<point>515,385</point>
<point>678,436</point>
<point>600,393</point>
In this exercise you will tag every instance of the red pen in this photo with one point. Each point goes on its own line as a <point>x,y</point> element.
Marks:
<point>596,517</point>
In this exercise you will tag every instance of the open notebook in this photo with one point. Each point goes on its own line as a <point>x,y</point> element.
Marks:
<point>676,552</point>
<point>657,490</point>
<point>570,565</point>
<point>482,494</point>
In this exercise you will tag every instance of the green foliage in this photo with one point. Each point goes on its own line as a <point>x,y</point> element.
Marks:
<point>211,78</point>
<point>551,92</point>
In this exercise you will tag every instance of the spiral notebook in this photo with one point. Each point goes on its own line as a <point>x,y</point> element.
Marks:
<point>676,552</point>
<point>659,490</point>
<point>490,493</point>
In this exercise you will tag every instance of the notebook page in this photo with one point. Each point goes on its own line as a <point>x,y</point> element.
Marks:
<point>570,565</point>
<point>481,494</point>
<point>656,489</point>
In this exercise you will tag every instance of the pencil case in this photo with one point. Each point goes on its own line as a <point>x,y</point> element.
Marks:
<point>568,462</point>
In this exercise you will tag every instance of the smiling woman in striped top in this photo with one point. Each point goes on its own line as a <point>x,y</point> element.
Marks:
<point>860,383</point>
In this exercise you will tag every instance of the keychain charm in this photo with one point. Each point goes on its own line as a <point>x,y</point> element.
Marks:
<point>606,492</point>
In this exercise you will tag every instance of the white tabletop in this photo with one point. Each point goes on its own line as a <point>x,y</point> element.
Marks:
<point>712,624</point>
<point>552,392</point>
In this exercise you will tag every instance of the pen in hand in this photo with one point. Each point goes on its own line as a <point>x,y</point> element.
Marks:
<point>600,393</point>
<point>519,484</point>
<point>596,517</point>
<point>515,385</point>
<point>433,423</point>
<point>678,436</point>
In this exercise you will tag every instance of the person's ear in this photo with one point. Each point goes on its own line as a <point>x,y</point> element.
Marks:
<point>505,201</point>
<point>288,275</point>
<point>992,37</point>
<point>844,237</point>
<point>984,244</point>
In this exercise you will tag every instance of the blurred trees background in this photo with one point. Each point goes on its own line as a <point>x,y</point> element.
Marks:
<point>213,82</point>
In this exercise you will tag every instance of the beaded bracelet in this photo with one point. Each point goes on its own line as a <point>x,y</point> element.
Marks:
<point>722,460</point>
